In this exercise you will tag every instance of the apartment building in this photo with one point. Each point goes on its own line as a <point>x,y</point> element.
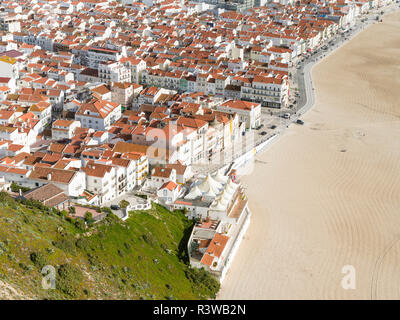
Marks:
<point>125,174</point>
<point>248,112</point>
<point>10,23</point>
<point>113,71</point>
<point>136,67</point>
<point>141,165</point>
<point>122,93</point>
<point>198,138</point>
<point>268,91</point>
<point>101,179</point>
<point>93,56</point>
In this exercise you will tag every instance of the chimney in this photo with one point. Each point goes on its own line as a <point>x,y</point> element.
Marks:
<point>49,176</point>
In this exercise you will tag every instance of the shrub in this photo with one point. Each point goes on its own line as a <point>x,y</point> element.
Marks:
<point>202,278</point>
<point>84,244</point>
<point>72,210</point>
<point>149,239</point>
<point>71,272</point>
<point>106,210</point>
<point>69,280</point>
<point>6,199</point>
<point>64,213</point>
<point>80,224</point>
<point>66,245</point>
<point>89,218</point>
<point>38,259</point>
<point>35,204</point>
<point>124,204</point>
<point>15,187</point>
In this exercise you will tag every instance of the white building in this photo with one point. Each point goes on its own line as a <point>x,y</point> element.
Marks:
<point>169,192</point>
<point>113,71</point>
<point>269,91</point>
<point>98,114</point>
<point>222,209</point>
<point>95,55</point>
<point>72,182</point>
<point>159,176</point>
<point>136,67</point>
<point>249,112</point>
<point>64,129</point>
<point>101,180</point>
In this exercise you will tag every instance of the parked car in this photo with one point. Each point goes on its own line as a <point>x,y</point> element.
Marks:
<point>273,126</point>
<point>115,207</point>
<point>300,121</point>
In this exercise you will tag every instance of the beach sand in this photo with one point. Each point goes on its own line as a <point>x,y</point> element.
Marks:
<point>327,194</point>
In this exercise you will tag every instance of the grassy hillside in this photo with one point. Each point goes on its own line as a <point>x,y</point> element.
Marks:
<point>142,258</point>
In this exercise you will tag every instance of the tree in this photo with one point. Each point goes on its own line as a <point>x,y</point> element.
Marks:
<point>89,218</point>
<point>72,210</point>
<point>124,204</point>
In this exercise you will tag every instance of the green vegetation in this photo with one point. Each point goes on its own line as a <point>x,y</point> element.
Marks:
<point>89,218</point>
<point>142,258</point>
<point>123,204</point>
<point>15,187</point>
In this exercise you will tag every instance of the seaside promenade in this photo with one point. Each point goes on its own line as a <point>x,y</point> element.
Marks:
<point>306,101</point>
<point>326,196</point>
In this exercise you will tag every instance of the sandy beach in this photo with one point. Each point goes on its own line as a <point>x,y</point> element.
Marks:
<point>327,194</point>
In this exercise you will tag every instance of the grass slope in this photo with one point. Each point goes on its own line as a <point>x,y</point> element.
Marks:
<point>142,258</point>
